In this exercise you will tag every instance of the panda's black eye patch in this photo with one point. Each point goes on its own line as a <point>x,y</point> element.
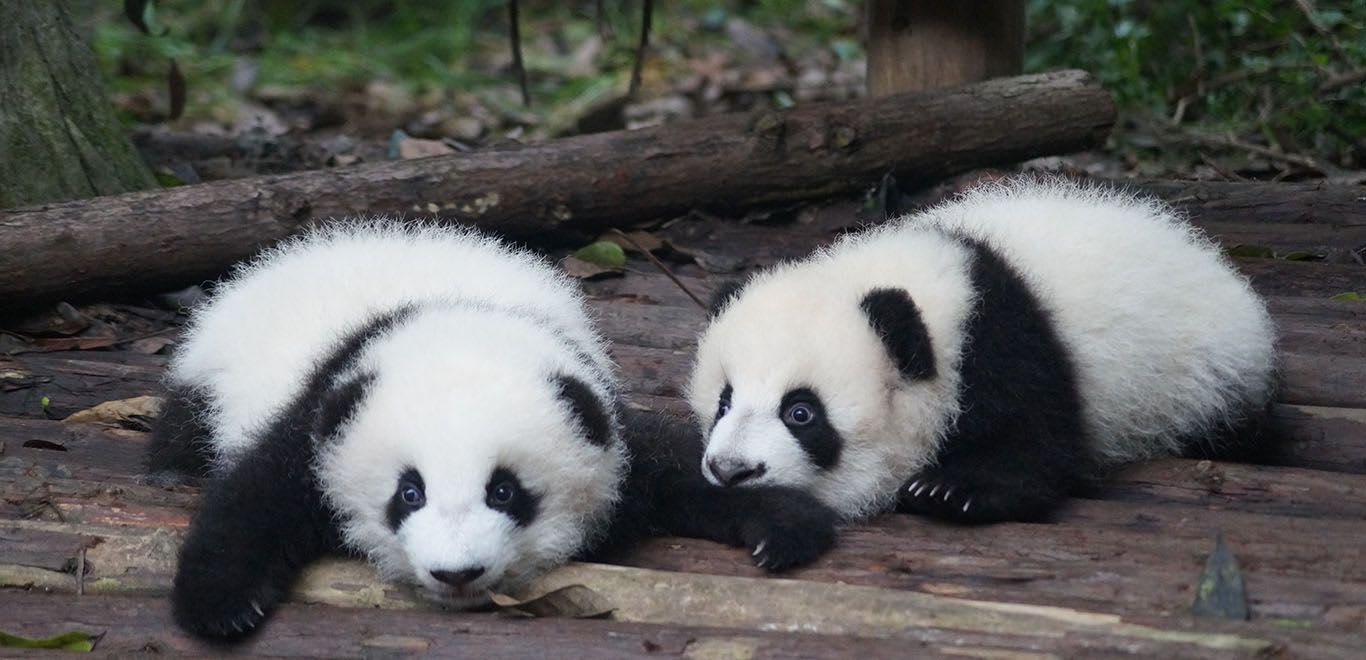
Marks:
<point>803,413</point>
<point>409,496</point>
<point>723,405</point>
<point>504,492</point>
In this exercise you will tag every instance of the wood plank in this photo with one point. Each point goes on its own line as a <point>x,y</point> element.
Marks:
<point>769,604</point>
<point>1272,203</point>
<point>136,626</point>
<point>1277,277</point>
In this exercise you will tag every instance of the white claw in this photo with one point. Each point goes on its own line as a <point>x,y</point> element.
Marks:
<point>237,625</point>
<point>967,504</point>
<point>761,562</point>
<point>947,493</point>
<point>759,548</point>
<point>934,490</point>
<point>921,489</point>
<point>257,607</point>
<point>913,485</point>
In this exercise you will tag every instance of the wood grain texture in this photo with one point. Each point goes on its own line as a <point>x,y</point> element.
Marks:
<point>914,46</point>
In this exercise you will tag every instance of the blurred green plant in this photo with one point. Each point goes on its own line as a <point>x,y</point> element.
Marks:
<point>1287,74</point>
<point>1290,72</point>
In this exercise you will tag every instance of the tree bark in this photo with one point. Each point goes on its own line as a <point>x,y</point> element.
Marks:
<point>143,241</point>
<point>915,46</point>
<point>59,138</point>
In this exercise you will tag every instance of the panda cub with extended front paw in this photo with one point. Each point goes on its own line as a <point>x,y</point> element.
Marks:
<point>435,401</point>
<point>979,360</point>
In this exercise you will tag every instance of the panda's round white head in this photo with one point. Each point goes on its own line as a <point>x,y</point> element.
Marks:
<point>472,450</point>
<point>795,384</point>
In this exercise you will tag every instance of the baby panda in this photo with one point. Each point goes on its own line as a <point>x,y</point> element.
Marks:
<point>435,401</point>
<point>978,361</point>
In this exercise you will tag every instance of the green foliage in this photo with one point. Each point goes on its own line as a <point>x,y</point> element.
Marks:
<point>603,253</point>
<point>1259,66</point>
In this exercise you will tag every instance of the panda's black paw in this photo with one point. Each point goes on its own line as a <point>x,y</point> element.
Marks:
<point>794,529</point>
<point>975,498</point>
<point>205,606</point>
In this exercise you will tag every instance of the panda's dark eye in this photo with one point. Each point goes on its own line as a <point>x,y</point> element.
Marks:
<point>505,493</point>
<point>502,494</point>
<point>723,406</point>
<point>409,496</point>
<point>799,414</point>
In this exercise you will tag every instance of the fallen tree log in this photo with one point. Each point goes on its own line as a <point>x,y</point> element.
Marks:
<point>162,239</point>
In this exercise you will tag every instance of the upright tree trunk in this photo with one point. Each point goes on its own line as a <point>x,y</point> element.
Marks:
<point>59,138</point>
<point>924,44</point>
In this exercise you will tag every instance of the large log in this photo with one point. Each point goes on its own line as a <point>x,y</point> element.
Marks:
<point>139,242</point>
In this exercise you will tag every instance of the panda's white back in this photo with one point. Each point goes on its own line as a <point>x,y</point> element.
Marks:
<point>1166,337</point>
<point>262,331</point>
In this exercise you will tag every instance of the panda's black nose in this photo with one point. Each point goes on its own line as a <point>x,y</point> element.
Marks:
<point>731,472</point>
<point>461,578</point>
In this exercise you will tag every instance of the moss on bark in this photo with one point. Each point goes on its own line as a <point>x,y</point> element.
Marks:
<point>59,138</point>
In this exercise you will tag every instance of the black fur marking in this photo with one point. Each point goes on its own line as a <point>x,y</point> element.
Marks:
<point>723,404</point>
<point>266,519</point>
<point>666,494</point>
<point>339,404</point>
<point>728,291</point>
<point>1019,445</point>
<point>398,510</point>
<point>896,320</point>
<point>587,408</point>
<point>180,441</point>
<point>1258,436</point>
<point>520,504</point>
<point>818,438</point>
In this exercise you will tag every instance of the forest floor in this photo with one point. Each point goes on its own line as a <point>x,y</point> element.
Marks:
<point>85,546</point>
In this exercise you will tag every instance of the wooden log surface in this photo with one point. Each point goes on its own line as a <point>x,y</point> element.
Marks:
<point>168,238</point>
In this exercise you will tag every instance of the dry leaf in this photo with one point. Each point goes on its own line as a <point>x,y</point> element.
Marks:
<point>135,413</point>
<point>419,148</point>
<point>583,270</point>
<point>150,345</point>
<point>644,239</point>
<point>574,601</point>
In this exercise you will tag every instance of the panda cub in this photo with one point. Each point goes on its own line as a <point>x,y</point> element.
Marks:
<point>432,400</point>
<point>977,361</point>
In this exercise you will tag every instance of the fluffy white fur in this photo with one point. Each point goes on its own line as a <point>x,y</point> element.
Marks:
<point>1166,337</point>
<point>459,388</point>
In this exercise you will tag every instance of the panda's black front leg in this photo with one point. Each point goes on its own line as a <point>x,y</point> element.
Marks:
<point>256,528</point>
<point>666,494</point>
<point>985,482</point>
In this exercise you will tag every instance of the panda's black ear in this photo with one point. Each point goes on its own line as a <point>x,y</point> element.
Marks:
<point>897,322</point>
<point>587,408</point>
<point>729,290</point>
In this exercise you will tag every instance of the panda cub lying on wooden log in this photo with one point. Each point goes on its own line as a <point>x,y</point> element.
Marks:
<point>980,360</point>
<point>437,402</point>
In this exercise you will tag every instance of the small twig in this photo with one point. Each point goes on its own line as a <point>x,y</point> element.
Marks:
<point>1307,8</point>
<point>646,13</point>
<point>517,63</point>
<point>1227,174</point>
<point>80,572</point>
<point>600,17</point>
<point>1337,82</point>
<point>662,268</point>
